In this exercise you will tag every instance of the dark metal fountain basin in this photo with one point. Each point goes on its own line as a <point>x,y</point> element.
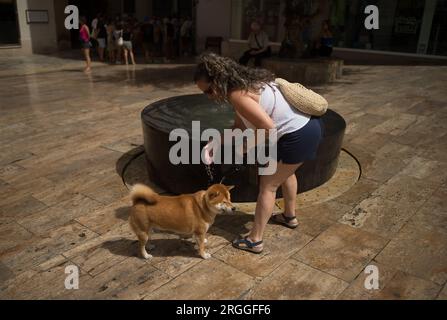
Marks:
<point>160,118</point>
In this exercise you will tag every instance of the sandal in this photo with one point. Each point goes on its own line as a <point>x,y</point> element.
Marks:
<point>285,221</point>
<point>247,245</point>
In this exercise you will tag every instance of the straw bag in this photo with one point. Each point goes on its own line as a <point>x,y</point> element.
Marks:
<point>303,99</point>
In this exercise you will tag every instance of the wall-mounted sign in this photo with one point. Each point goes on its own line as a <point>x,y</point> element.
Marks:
<point>406,25</point>
<point>37,16</point>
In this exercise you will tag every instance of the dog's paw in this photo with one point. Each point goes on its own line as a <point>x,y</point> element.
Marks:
<point>206,256</point>
<point>147,256</point>
<point>197,246</point>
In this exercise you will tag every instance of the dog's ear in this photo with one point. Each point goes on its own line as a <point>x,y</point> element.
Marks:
<point>213,194</point>
<point>229,188</point>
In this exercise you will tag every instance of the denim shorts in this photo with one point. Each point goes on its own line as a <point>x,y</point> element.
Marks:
<point>302,145</point>
<point>86,45</point>
<point>127,45</point>
<point>101,43</point>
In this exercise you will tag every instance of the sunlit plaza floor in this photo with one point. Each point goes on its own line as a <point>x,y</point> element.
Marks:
<point>64,135</point>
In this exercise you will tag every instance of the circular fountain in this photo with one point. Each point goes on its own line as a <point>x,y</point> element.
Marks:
<point>161,118</point>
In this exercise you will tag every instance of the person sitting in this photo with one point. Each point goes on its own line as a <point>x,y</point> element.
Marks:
<point>259,45</point>
<point>186,37</point>
<point>325,47</point>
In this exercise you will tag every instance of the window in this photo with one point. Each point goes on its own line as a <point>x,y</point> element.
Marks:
<point>267,12</point>
<point>8,23</point>
<point>408,26</point>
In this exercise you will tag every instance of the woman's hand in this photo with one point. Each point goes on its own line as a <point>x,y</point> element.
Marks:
<point>208,154</point>
<point>208,151</point>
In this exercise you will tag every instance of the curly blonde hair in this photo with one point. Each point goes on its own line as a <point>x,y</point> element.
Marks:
<point>226,75</point>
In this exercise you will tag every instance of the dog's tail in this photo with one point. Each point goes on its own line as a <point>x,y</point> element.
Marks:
<point>141,192</point>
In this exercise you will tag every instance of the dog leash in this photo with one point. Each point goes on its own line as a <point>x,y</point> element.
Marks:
<point>236,169</point>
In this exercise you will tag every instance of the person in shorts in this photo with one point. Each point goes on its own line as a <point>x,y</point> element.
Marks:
<point>127,44</point>
<point>111,41</point>
<point>84,38</point>
<point>101,33</point>
<point>259,104</point>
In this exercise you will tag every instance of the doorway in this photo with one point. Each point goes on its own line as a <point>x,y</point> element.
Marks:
<point>9,24</point>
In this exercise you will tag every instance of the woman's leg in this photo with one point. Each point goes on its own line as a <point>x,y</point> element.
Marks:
<point>258,60</point>
<point>260,56</point>
<point>119,54</point>
<point>132,57</point>
<point>126,56</point>
<point>245,58</point>
<point>112,55</point>
<point>146,52</point>
<point>289,191</point>
<point>267,196</point>
<point>88,61</point>
<point>101,54</point>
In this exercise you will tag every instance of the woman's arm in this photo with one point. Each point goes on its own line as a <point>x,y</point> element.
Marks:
<point>254,113</point>
<point>238,123</point>
<point>251,110</point>
<point>264,41</point>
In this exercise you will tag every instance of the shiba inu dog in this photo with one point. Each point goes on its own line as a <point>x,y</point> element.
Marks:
<point>186,215</point>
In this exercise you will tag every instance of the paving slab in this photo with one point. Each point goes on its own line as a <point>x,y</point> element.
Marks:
<point>294,280</point>
<point>213,280</point>
<point>62,200</point>
<point>418,251</point>
<point>341,251</point>
<point>279,244</point>
<point>392,285</point>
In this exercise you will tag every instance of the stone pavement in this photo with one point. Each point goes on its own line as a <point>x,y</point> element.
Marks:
<point>64,136</point>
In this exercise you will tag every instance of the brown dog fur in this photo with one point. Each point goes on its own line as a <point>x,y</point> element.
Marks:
<point>187,215</point>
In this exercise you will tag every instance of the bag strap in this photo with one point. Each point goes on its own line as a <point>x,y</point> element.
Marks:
<point>274,103</point>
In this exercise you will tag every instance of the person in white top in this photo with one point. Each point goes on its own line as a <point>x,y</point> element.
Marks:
<point>95,23</point>
<point>259,46</point>
<point>259,104</point>
<point>186,37</point>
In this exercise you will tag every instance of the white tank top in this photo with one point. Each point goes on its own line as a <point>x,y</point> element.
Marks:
<point>286,118</point>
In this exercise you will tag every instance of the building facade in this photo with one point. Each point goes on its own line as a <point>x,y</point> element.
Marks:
<point>37,26</point>
<point>415,27</point>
